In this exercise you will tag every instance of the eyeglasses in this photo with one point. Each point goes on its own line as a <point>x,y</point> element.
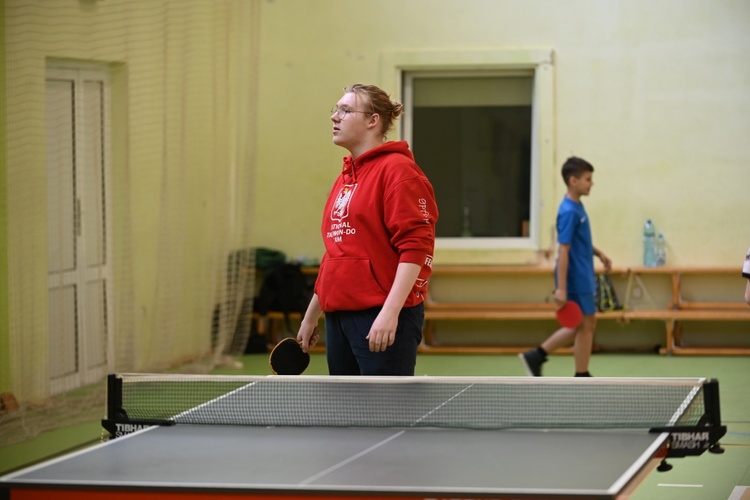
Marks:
<point>342,112</point>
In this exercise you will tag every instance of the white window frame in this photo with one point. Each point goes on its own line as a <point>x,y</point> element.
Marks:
<point>501,62</point>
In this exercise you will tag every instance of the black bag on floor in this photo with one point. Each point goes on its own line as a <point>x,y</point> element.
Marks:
<point>285,288</point>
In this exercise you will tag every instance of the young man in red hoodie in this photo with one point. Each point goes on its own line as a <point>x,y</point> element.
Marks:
<point>379,234</point>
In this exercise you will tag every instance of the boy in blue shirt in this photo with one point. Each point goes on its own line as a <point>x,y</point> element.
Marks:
<point>574,273</point>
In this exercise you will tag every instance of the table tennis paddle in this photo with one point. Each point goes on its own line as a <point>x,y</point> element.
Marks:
<point>569,315</point>
<point>288,358</point>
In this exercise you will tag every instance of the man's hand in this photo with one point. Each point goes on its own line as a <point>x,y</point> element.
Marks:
<point>307,337</point>
<point>382,332</point>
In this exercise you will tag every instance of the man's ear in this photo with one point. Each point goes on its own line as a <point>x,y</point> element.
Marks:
<point>374,120</point>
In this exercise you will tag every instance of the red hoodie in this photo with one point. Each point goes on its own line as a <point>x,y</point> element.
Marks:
<point>381,211</point>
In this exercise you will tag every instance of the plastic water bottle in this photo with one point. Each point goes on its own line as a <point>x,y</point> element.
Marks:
<point>661,250</point>
<point>649,244</point>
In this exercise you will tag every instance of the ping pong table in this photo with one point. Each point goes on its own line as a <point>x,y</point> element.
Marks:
<point>225,437</point>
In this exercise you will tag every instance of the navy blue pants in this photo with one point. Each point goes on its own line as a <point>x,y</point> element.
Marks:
<point>348,351</point>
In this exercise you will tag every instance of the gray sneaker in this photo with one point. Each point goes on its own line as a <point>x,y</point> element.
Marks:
<point>532,362</point>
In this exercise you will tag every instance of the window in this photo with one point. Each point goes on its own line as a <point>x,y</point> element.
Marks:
<point>472,136</point>
<point>480,124</point>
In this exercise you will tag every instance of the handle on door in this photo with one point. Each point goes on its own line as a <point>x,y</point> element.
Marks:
<point>77,217</point>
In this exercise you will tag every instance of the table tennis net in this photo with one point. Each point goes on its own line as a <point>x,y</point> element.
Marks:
<point>457,402</point>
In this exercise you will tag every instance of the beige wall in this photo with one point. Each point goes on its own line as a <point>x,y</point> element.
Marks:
<point>653,93</point>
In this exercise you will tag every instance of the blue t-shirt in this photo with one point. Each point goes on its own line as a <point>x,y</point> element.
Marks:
<point>573,229</point>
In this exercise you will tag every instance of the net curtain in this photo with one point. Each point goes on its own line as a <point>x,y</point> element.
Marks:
<point>176,187</point>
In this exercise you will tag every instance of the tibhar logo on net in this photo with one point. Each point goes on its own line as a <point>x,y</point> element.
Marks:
<point>689,440</point>
<point>124,429</point>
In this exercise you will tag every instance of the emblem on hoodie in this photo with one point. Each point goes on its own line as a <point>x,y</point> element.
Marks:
<point>340,209</point>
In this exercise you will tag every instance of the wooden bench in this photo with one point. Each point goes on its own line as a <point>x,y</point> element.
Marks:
<point>540,309</point>
<point>676,277</point>
<point>671,306</point>
<point>674,320</point>
<point>679,311</point>
<point>674,312</point>
<point>494,312</point>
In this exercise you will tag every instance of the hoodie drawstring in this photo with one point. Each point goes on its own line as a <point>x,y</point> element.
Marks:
<point>350,169</point>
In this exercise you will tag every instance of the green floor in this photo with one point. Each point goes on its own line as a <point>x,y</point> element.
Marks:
<point>709,477</point>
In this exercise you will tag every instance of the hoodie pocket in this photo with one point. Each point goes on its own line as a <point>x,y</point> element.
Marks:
<point>348,285</point>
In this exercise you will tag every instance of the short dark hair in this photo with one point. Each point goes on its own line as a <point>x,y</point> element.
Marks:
<point>575,167</point>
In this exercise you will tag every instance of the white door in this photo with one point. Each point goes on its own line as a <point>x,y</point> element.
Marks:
<point>80,302</point>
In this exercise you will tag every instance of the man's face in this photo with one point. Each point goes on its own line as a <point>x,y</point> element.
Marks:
<point>349,121</point>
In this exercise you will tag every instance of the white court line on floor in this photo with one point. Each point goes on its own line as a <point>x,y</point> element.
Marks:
<point>667,485</point>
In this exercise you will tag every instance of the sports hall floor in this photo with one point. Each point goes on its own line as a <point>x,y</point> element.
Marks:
<point>708,477</point>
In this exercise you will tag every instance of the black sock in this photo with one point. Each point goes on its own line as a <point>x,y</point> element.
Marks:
<point>583,374</point>
<point>542,352</point>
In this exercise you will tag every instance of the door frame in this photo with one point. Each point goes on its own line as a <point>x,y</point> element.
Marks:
<point>83,373</point>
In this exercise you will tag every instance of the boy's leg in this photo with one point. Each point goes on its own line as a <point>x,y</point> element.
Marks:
<point>561,338</point>
<point>532,360</point>
<point>584,343</point>
<point>581,337</point>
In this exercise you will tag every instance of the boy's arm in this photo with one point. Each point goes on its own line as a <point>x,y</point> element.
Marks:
<point>563,257</point>
<point>746,274</point>
<point>605,260</point>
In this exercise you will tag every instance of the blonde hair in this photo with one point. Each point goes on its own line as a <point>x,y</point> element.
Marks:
<point>378,102</point>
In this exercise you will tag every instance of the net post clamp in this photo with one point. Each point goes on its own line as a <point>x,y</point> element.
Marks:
<point>692,440</point>
<point>121,427</point>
